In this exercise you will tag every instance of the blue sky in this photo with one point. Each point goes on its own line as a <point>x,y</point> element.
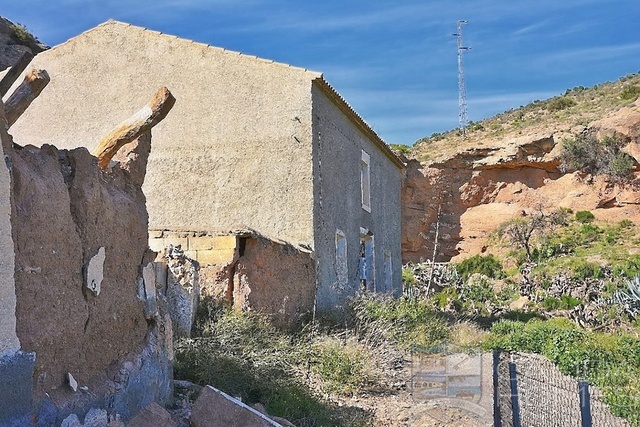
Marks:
<point>395,62</point>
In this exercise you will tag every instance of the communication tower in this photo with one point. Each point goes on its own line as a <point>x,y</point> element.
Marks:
<point>462,91</point>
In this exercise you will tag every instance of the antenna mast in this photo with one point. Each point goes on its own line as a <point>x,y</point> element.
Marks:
<point>462,91</point>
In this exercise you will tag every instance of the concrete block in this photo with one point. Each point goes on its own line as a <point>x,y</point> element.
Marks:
<point>224,242</point>
<point>16,385</point>
<point>156,244</point>
<point>200,243</point>
<point>215,256</point>
<point>191,254</point>
<point>153,415</point>
<point>214,408</point>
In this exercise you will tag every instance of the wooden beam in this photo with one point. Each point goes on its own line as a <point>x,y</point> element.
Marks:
<point>23,96</point>
<point>130,129</point>
<point>14,72</point>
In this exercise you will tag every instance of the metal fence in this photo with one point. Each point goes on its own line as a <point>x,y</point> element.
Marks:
<point>529,391</point>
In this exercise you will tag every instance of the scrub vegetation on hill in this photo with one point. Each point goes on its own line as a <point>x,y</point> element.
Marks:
<point>578,106</point>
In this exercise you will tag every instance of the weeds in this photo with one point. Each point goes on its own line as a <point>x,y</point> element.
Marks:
<point>405,322</point>
<point>610,361</point>
<point>244,356</point>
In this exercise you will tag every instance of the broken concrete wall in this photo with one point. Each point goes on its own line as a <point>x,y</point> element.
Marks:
<point>248,270</point>
<point>80,247</point>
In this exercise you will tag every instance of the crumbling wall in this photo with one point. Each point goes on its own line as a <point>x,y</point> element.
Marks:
<point>100,334</point>
<point>248,270</point>
<point>67,211</point>
<point>274,278</point>
<point>16,367</point>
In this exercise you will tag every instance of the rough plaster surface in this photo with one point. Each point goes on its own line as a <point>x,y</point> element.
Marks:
<point>8,338</point>
<point>276,279</point>
<point>239,136</point>
<point>338,146</point>
<point>66,210</point>
<point>95,272</point>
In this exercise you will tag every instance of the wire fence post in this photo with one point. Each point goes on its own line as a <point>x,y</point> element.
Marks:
<point>585,403</point>
<point>515,405</point>
<point>497,417</point>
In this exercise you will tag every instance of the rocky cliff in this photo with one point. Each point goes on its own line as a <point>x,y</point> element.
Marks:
<point>463,191</point>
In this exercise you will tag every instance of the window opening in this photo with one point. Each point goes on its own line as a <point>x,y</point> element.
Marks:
<point>366,272</point>
<point>342,269</point>
<point>365,181</point>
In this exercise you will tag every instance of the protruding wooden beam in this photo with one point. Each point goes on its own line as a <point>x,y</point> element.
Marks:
<point>23,96</point>
<point>14,72</point>
<point>139,123</point>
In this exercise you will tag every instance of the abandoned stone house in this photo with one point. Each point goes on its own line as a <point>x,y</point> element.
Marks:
<point>250,145</point>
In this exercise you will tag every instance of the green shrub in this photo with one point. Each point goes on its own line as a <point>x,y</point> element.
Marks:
<point>568,302</point>
<point>408,278</point>
<point>582,269</point>
<point>612,362</point>
<point>629,267</point>
<point>551,303</point>
<point>344,367</point>
<point>625,224</point>
<point>630,92</point>
<point>22,35</point>
<point>402,149</point>
<point>584,217</point>
<point>243,355</point>
<point>565,302</point>
<point>479,291</point>
<point>485,265</point>
<point>598,157</point>
<point>560,103</point>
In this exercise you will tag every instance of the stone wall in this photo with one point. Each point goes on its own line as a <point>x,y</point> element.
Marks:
<point>90,332</point>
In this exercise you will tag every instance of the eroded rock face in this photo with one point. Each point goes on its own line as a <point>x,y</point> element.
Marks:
<point>67,210</point>
<point>478,189</point>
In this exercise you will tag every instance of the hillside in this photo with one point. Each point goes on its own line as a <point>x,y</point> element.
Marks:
<point>508,166</point>
<point>566,113</point>
<point>15,40</point>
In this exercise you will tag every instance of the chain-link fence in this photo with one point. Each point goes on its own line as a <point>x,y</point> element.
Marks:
<point>529,391</point>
